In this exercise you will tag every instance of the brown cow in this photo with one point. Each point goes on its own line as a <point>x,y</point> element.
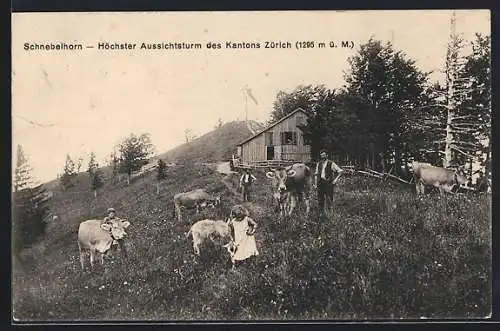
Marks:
<point>425,174</point>
<point>194,199</point>
<point>208,230</point>
<point>289,184</point>
<point>98,237</point>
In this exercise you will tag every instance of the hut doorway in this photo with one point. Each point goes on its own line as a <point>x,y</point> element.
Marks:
<point>269,152</point>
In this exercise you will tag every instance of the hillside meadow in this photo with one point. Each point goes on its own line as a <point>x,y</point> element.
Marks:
<point>382,253</point>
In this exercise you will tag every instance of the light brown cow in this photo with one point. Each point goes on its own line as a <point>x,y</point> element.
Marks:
<point>209,230</point>
<point>98,237</point>
<point>289,184</point>
<point>425,174</point>
<point>194,199</point>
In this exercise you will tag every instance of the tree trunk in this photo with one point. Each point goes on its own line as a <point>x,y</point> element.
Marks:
<point>95,194</point>
<point>451,71</point>
<point>128,179</point>
<point>158,188</point>
<point>449,135</point>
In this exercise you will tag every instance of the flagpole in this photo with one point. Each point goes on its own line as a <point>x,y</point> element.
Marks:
<point>246,106</point>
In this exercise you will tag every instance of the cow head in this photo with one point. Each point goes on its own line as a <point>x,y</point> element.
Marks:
<point>413,166</point>
<point>116,228</point>
<point>120,223</point>
<point>461,175</point>
<point>279,177</point>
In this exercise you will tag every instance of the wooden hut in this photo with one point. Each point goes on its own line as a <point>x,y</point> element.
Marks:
<point>280,143</point>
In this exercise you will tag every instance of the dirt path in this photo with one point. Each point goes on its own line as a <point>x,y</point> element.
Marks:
<point>228,183</point>
<point>225,169</point>
<point>255,208</point>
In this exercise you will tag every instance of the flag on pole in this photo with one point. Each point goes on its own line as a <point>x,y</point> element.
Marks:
<point>248,91</point>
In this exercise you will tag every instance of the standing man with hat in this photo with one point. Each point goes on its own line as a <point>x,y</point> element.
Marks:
<point>325,177</point>
<point>246,181</point>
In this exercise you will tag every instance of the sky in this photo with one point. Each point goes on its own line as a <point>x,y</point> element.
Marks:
<point>77,102</point>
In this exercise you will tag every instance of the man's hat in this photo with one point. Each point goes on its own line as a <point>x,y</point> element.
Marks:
<point>323,151</point>
<point>111,210</point>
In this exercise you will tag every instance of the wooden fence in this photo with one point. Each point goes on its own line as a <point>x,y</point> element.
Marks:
<point>265,164</point>
<point>348,168</point>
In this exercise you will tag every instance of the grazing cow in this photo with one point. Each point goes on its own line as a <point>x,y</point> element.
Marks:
<point>444,179</point>
<point>194,199</point>
<point>209,230</point>
<point>289,184</point>
<point>99,237</point>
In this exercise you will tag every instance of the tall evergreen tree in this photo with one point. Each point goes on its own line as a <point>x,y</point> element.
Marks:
<point>68,174</point>
<point>114,163</point>
<point>29,206</point>
<point>392,90</point>
<point>161,174</point>
<point>95,174</point>
<point>22,176</point>
<point>306,97</point>
<point>475,105</point>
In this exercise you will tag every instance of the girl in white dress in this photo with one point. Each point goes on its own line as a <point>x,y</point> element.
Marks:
<point>243,229</point>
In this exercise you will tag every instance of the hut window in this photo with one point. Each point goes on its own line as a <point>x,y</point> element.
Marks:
<point>269,138</point>
<point>289,138</point>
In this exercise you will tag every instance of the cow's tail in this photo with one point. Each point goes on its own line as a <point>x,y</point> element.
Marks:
<point>189,232</point>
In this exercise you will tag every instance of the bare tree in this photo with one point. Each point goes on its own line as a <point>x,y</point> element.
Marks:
<point>460,126</point>
<point>79,164</point>
<point>188,135</point>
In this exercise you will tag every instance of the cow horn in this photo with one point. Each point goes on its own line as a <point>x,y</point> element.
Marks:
<point>291,173</point>
<point>270,174</point>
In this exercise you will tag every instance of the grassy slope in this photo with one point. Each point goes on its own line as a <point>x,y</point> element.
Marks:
<point>383,253</point>
<point>214,146</point>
